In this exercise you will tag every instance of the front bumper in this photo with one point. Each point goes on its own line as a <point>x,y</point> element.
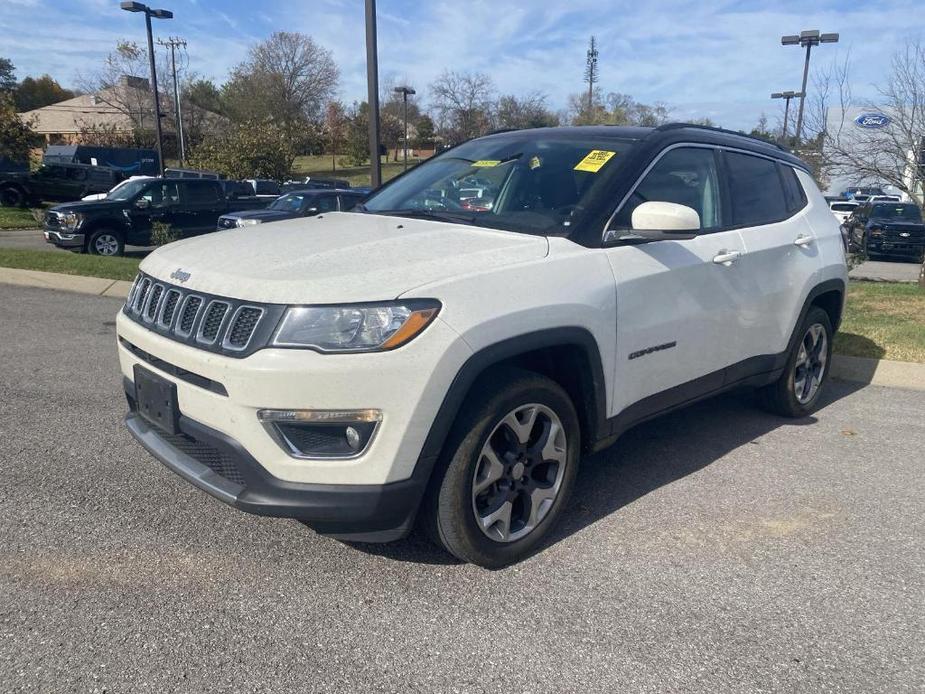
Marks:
<point>64,239</point>
<point>220,466</point>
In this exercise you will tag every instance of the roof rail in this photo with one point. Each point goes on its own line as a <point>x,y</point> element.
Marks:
<point>678,126</point>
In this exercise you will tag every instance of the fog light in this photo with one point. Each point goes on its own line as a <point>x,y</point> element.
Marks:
<point>321,433</point>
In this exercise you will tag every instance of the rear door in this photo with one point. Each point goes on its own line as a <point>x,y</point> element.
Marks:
<point>769,206</point>
<point>202,203</point>
<point>677,301</point>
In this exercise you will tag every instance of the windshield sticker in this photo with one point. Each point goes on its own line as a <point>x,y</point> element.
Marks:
<point>594,161</point>
<point>535,163</point>
<point>486,163</point>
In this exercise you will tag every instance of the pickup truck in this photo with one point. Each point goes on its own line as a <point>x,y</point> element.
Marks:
<point>887,229</point>
<point>125,216</point>
<point>55,183</point>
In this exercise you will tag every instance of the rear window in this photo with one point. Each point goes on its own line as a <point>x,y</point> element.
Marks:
<point>842,207</point>
<point>199,192</point>
<point>757,190</point>
<point>796,196</point>
<point>267,188</point>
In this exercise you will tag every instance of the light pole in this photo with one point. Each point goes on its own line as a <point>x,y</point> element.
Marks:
<point>786,96</point>
<point>129,6</point>
<point>405,91</point>
<point>806,39</point>
<point>372,85</point>
<point>173,44</point>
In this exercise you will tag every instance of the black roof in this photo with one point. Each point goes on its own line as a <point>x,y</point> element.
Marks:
<point>322,191</point>
<point>666,134</point>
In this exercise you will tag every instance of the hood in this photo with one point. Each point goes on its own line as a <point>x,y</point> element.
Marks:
<point>339,257</point>
<point>91,206</point>
<point>263,215</point>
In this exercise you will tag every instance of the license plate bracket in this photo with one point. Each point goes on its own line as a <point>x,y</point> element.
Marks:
<point>156,399</point>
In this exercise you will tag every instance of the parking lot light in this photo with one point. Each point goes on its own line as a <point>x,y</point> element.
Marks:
<point>806,39</point>
<point>130,6</point>
<point>405,91</point>
<point>786,96</point>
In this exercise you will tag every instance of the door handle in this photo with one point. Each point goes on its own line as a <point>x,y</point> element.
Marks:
<point>802,240</point>
<point>725,257</point>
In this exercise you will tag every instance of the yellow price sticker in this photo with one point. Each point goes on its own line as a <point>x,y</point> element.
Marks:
<point>594,161</point>
<point>486,163</point>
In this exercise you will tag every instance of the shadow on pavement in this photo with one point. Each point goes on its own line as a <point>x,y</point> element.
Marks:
<point>645,458</point>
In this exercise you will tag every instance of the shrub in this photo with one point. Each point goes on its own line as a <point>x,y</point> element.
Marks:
<point>162,234</point>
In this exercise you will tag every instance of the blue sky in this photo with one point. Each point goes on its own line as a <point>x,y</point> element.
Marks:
<point>716,58</point>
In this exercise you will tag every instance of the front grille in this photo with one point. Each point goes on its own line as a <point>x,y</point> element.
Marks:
<point>219,462</point>
<point>242,326</point>
<point>151,310</point>
<point>170,306</point>
<point>218,324</point>
<point>212,322</point>
<point>895,235</point>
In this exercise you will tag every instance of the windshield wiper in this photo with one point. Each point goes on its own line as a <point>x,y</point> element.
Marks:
<point>440,215</point>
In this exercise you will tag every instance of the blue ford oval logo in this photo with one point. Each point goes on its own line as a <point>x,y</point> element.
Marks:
<point>872,121</point>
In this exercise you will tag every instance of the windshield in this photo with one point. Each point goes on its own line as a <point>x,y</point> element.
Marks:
<point>292,202</point>
<point>909,213</point>
<point>127,190</point>
<point>534,184</point>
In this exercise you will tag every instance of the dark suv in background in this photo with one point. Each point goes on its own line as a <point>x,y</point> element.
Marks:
<point>56,183</point>
<point>892,229</point>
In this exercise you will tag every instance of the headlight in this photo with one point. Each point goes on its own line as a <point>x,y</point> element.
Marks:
<point>71,220</point>
<point>355,328</point>
<point>248,222</point>
<point>876,231</point>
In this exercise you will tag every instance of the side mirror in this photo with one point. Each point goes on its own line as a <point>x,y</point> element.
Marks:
<point>665,216</point>
<point>142,203</point>
<point>312,210</point>
<point>657,221</point>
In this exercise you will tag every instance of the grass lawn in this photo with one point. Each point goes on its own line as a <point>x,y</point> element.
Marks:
<point>70,263</point>
<point>320,166</point>
<point>883,320</point>
<point>17,218</point>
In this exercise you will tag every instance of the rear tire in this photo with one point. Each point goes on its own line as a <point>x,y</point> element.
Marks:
<point>12,196</point>
<point>796,393</point>
<point>506,471</point>
<point>105,242</point>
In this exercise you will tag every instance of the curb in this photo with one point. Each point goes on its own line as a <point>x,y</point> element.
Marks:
<point>876,372</point>
<point>879,372</point>
<point>67,283</point>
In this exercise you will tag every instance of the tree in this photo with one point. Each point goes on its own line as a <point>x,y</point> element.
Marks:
<point>890,154</point>
<point>335,125</point>
<point>357,133</point>
<point>762,130</point>
<point>615,109</point>
<point>287,78</point>
<point>424,133</point>
<point>253,149</point>
<point>16,137</point>
<point>203,94</point>
<point>464,104</point>
<point>525,112</point>
<point>7,75</point>
<point>34,93</point>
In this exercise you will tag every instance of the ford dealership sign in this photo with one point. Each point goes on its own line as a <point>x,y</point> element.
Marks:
<point>872,121</point>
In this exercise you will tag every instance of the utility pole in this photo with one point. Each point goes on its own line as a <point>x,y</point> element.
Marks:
<point>372,85</point>
<point>173,43</point>
<point>806,39</point>
<point>591,75</point>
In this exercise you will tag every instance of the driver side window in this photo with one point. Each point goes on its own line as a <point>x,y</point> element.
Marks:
<point>161,194</point>
<point>685,176</point>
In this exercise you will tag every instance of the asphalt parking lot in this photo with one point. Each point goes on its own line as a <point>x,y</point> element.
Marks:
<point>717,549</point>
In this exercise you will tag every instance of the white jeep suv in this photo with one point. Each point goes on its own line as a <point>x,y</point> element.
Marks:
<point>443,359</point>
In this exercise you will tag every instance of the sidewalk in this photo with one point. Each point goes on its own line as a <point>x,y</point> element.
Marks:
<point>65,283</point>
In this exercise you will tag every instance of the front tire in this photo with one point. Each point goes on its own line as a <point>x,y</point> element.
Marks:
<point>105,242</point>
<point>796,393</point>
<point>12,196</point>
<point>507,470</point>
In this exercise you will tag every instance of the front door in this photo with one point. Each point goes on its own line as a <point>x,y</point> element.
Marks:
<point>676,300</point>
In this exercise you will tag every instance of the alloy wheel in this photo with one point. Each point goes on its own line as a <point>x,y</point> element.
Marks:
<point>106,244</point>
<point>519,472</point>
<point>809,369</point>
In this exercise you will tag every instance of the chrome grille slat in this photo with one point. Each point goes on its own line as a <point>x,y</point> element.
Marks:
<point>213,323</point>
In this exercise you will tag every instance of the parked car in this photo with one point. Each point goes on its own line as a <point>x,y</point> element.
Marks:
<point>842,209</point>
<point>55,183</point>
<point>862,193</point>
<point>887,229</point>
<point>304,203</point>
<point>102,227</point>
<point>264,187</point>
<point>419,363</point>
<point>102,196</point>
<point>884,198</point>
